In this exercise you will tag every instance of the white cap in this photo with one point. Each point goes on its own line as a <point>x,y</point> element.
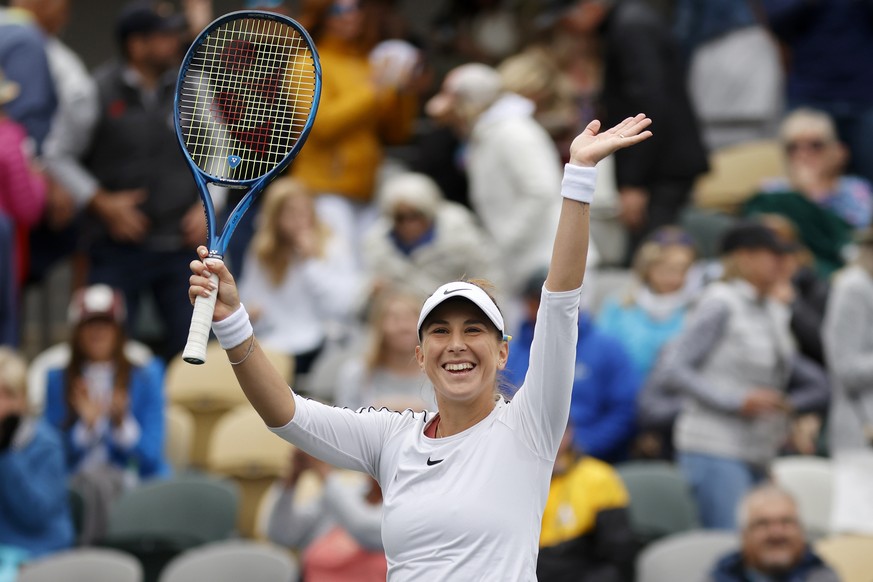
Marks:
<point>96,301</point>
<point>469,292</point>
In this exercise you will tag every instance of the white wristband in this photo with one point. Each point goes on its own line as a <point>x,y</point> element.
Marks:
<point>233,329</point>
<point>578,183</point>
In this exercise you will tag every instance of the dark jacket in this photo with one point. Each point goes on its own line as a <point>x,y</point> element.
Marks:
<point>811,568</point>
<point>644,74</point>
<point>829,40</point>
<point>135,146</point>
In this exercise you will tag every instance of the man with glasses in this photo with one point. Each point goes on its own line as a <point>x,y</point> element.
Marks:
<point>772,543</point>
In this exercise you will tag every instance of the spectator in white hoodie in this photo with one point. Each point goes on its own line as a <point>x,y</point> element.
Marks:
<point>512,164</point>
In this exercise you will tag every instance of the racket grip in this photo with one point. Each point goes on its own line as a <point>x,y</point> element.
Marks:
<point>201,324</point>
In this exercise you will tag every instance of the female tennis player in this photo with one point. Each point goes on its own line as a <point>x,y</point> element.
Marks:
<point>464,488</point>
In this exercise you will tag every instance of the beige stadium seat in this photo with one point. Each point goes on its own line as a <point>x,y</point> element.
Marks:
<point>736,173</point>
<point>688,556</point>
<point>232,561</point>
<point>179,437</point>
<point>242,448</point>
<point>810,480</point>
<point>84,565</point>
<point>210,390</point>
<point>851,556</point>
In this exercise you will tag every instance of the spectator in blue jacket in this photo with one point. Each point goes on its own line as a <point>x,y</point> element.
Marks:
<point>602,409</point>
<point>109,410</point>
<point>34,514</point>
<point>23,58</point>
<point>652,312</point>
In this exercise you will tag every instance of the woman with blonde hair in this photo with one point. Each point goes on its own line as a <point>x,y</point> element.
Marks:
<point>386,373</point>
<point>33,485</point>
<point>300,277</point>
<point>645,318</point>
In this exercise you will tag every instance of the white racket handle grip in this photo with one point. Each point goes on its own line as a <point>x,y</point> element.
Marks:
<point>201,324</point>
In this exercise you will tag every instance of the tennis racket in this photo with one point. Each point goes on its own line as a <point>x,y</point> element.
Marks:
<point>246,98</point>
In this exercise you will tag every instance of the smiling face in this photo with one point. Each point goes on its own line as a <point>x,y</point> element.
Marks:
<point>461,352</point>
<point>773,539</point>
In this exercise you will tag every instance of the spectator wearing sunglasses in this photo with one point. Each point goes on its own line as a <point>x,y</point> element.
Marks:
<point>826,204</point>
<point>422,240</point>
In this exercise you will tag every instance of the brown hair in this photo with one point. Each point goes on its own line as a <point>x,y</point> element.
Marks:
<point>267,243</point>
<point>75,369</point>
<point>313,16</point>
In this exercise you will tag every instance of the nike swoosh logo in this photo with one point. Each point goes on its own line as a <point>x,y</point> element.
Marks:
<point>432,463</point>
<point>450,291</point>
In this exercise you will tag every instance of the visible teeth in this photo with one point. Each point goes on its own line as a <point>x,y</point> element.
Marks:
<point>459,367</point>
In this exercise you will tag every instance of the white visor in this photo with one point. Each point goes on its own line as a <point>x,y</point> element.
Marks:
<point>469,292</point>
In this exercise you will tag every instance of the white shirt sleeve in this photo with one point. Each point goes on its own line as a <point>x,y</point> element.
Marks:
<point>340,436</point>
<point>541,407</point>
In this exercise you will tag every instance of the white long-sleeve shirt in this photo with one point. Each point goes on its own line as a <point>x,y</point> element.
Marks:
<point>469,506</point>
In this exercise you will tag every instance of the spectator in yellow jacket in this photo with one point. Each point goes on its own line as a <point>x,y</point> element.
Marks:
<point>366,102</point>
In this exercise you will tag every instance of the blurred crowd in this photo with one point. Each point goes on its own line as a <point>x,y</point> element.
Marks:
<point>715,339</point>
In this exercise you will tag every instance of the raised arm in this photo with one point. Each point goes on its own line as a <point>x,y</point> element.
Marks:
<point>262,384</point>
<point>570,250</point>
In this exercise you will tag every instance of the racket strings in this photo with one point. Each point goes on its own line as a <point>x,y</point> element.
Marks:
<point>246,97</point>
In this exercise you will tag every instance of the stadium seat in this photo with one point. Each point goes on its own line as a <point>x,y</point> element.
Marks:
<point>851,556</point>
<point>209,391</point>
<point>158,520</point>
<point>77,509</point>
<point>810,480</point>
<point>242,448</point>
<point>179,438</point>
<point>660,500</point>
<point>84,565</point>
<point>687,556</point>
<point>232,561</point>
<point>737,172</point>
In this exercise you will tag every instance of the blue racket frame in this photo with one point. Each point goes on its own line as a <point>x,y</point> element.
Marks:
<point>204,306</point>
<point>217,245</point>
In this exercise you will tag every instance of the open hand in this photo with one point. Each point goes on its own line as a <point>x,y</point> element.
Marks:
<point>592,145</point>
